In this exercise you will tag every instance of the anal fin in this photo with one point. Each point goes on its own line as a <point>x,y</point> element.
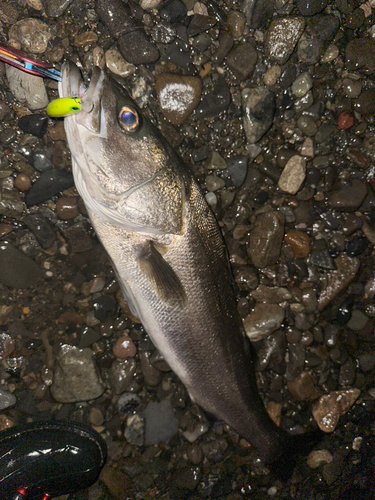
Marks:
<point>163,280</point>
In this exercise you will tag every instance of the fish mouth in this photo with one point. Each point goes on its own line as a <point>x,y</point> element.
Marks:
<point>72,84</point>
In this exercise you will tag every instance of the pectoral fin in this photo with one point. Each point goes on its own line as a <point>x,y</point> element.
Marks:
<point>161,276</point>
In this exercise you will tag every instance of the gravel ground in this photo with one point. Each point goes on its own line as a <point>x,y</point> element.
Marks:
<point>272,106</point>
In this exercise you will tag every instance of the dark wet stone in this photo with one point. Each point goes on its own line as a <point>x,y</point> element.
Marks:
<point>134,44</point>
<point>298,268</point>
<point>41,161</point>
<point>55,8</point>
<point>202,42</point>
<point>344,312</point>
<point>246,277</point>
<point>347,373</point>
<point>365,103</point>
<point>87,336</point>
<point>17,270</point>
<point>174,11</point>
<point>355,19</point>
<point>261,198</point>
<point>287,77</point>
<point>295,361</point>
<point>200,24</point>
<point>214,102</point>
<point>237,169</point>
<point>178,53</point>
<point>311,7</point>
<point>331,218</point>
<point>322,258</point>
<point>307,125</point>
<point>313,176</point>
<point>258,13</point>
<point>356,246</point>
<point>7,136</point>
<point>79,239</point>
<point>266,239</point>
<point>49,184</point>
<point>42,229</point>
<point>360,55</point>
<point>121,374</point>
<point>34,124</point>
<point>104,305</point>
<point>324,132</point>
<point>259,109</point>
<point>366,362</point>
<point>348,198</point>
<point>271,351</point>
<point>320,31</point>
<point>243,59</point>
<point>5,111</point>
<point>225,46</point>
<point>270,170</point>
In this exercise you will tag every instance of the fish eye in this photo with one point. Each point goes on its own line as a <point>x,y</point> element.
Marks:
<point>128,119</point>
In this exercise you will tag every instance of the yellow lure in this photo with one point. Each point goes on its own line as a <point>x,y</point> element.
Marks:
<point>65,106</point>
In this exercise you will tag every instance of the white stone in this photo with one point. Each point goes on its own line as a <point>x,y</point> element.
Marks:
<point>293,175</point>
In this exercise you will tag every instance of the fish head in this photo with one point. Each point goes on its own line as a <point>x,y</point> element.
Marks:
<point>117,154</point>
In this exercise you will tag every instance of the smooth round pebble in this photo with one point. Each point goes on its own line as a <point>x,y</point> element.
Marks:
<point>67,207</point>
<point>22,182</point>
<point>124,348</point>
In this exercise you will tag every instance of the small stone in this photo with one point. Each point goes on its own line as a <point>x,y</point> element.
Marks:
<point>17,270</point>
<point>121,374</point>
<point>303,387</point>
<point>161,423</point>
<point>34,124</point>
<point>318,458</point>
<point>216,162</point>
<point>360,55</point>
<point>55,8</point>
<point>365,103</point>
<point>271,295</point>
<point>128,402</point>
<point>357,321</point>
<point>272,75</point>
<point>22,182</point>
<point>299,242</point>
<point>214,102</point>
<point>293,175</point>
<point>67,207</point>
<point>149,4</point>
<point>307,125</point>
<point>151,374</point>
<point>96,417</point>
<point>330,54</point>
<point>259,107</point>
<point>178,96</point>
<point>237,169</point>
<point>117,64</point>
<point>274,411</point>
<point>330,407</point>
<point>57,131</point>
<point>6,345</point>
<point>213,182</point>
<point>42,229</point>
<point>85,38</point>
<point>266,238</point>
<point>349,197</point>
<point>135,429</point>
<point>236,23</point>
<point>76,377</point>
<point>7,400</point>
<point>50,183</point>
<point>242,60</point>
<point>345,121</point>
<point>302,85</point>
<point>124,348</point>
<point>307,148</point>
<point>352,88</point>
<point>319,33</point>
<point>263,320</point>
<point>5,422</point>
<point>282,36</point>
<point>311,7</point>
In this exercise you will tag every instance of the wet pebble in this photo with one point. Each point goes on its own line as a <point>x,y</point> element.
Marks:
<point>31,34</point>
<point>17,270</point>
<point>124,348</point>
<point>302,85</point>
<point>178,96</point>
<point>271,352</point>
<point>352,88</point>
<point>295,361</point>
<point>117,64</point>
<point>358,320</point>
<point>311,7</point>
<point>303,387</point>
<point>42,229</point>
<point>282,37</point>
<point>161,423</point>
<point>151,374</point>
<point>266,239</point>
<point>366,362</point>
<point>271,295</point>
<point>135,429</point>
<point>356,246</point>
<point>308,127</point>
<point>345,121</point>
<point>96,417</point>
<point>22,182</point>
<point>40,160</point>
<point>360,55</point>
<point>259,107</point>
<point>263,320</point>
<point>338,279</point>
<point>299,242</point>
<point>213,182</point>
<point>293,175</point>
<point>87,336</point>
<point>49,184</point>
<point>85,38</point>
<point>330,407</point>
<point>365,103</point>
<point>55,8</point>
<point>121,374</point>
<point>349,197</point>
<point>34,124</point>
<point>319,33</point>
<point>76,377</point>
<point>214,102</point>
<point>26,88</point>
<point>272,75</point>
<point>7,400</point>
<point>6,345</point>
<point>242,60</point>
<point>67,207</point>
<point>319,457</point>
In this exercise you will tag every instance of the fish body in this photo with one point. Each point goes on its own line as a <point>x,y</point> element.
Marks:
<point>168,253</point>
